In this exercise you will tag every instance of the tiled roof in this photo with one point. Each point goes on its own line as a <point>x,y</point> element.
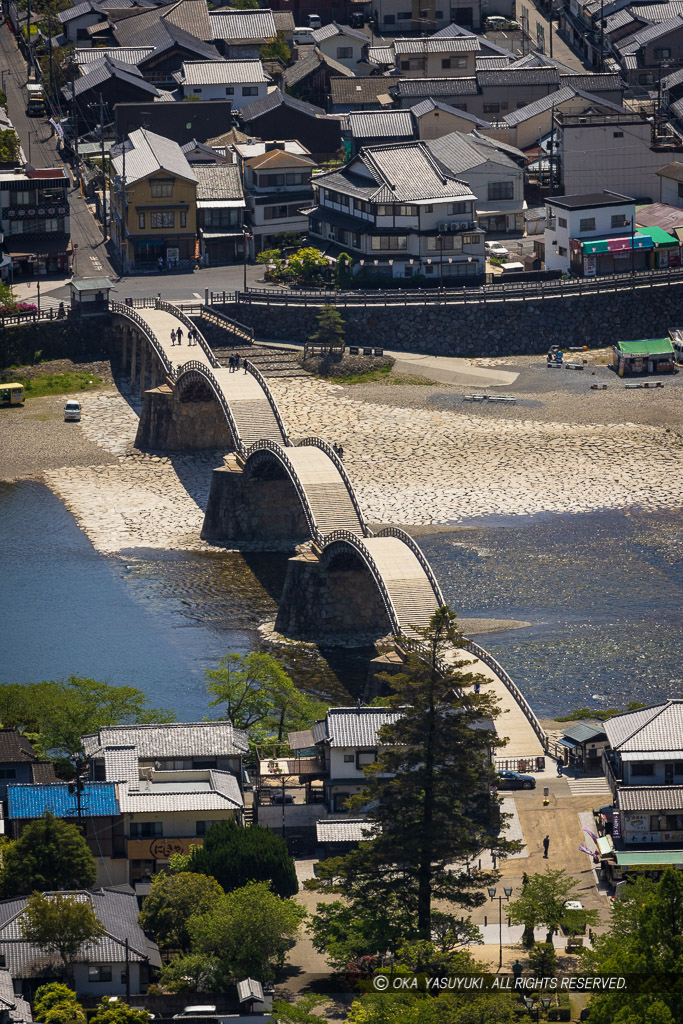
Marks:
<point>106,69</point>
<point>673,170</point>
<point>493,63</point>
<point>672,80</point>
<point>460,153</point>
<point>43,772</point>
<point>656,12</point>
<point>594,84</point>
<point>356,727</point>
<point>301,69</point>
<point>122,54</point>
<point>539,60</point>
<point>284,21</point>
<point>441,44</point>
<point>28,801</point>
<point>223,72</point>
<point>249,989</point>
<point>581,732</point>
<point>121,764</point>
<point>344,830</point>
<point>335,29</point>
<point>78,11</point>
<point>517,77</point>
<point>172,739</point>
<point>274,99</point>
<point>380,55</point>
<point>243,26</point>
<point>420,87</point>
<point>17,1009</point>
<point>279,158</point>
<point>191,16</point>
<point>651,798</point>
<point>618,20</point>
<point>117,911</point>
<point>146,153</point>
<point>655,728</point>
<point>161,797</point>
<point>381,124</point>
<point>450,31</point>
<point>631,44</point>
<point>219,181</point>
<point>426,106</point>
<point>163,36</point>
<point>358,90</point>
<point>554,99</point>
<point>15,747</point>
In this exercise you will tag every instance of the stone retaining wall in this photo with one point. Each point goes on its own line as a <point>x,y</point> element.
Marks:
<point>484,329</point>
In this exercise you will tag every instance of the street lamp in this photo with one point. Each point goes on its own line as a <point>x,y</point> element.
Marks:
<point>492,893</point>
<point>439,239</point>
<point>245,241</point>
<point>530,1005</point>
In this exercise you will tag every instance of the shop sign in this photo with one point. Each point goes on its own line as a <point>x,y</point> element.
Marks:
<point>161,847</point>
<point>590,266</point>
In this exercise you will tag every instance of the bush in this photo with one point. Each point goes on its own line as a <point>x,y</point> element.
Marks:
<point>543,960</point>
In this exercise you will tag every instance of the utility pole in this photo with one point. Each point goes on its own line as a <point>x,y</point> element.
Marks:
<point>602,35</point>
<point>74,120</point>
<point>127,973</point>
<point>104,174</point>
<point>49,51</point>
<point>28,38</point>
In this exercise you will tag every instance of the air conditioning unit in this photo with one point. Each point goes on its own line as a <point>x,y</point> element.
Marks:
<point>443,226</point>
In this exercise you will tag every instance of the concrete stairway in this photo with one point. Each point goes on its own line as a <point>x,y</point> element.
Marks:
<point>328,496</point>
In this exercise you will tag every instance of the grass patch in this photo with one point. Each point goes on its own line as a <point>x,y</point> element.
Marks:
<point>361,376</point>
<point>56,383</point>
<point>347,369</point>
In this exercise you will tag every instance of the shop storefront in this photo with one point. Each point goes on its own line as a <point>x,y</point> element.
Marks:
<point>34,256</point>
<point>601,256</point>
<point>619,866</point>
<point>665,251</point>
<point>651,355</point>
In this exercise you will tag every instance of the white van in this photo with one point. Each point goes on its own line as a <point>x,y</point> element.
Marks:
<point>314,21</point>
<point>72,411</point>
<point>303,36</point>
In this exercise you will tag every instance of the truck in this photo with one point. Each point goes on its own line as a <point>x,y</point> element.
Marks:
<point>35,106</point>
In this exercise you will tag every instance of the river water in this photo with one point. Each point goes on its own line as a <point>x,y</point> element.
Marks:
<point>603,592</point>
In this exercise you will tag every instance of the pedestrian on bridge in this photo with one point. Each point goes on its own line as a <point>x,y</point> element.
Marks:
<point>180,335</point>
<point>231,364</point>
<point>192,336</point>
<point>546,845</point>
<point>172,337</point>
<point>245,365</point>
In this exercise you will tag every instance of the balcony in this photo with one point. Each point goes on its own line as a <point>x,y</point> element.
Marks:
<point>37,211</point>
<point>612,773</point>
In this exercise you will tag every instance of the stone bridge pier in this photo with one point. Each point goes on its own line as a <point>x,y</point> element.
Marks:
<point>182,421</point>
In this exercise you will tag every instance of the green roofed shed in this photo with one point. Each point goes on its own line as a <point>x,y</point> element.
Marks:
<point>660,237</point>
<point>647,347</point>
<point>650,355</point>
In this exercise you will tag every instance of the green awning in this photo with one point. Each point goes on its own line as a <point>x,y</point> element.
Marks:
<point>647,347</point>
<point>590,248</point>
<point>660,237</point>
<point>650,859</point>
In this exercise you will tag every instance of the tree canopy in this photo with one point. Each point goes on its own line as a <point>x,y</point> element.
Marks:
<point>234,855</point>
<point>260,696</point>
<point>541,902</point>
<point>428,794</point>
<point>55,1003</point>
<point>248,931</point>
<point>61,711</point>
<point>330,330</point>
<point>60,924</point>
<point>118,1013</point>
<point>173,899</point>
<point>49,854</point>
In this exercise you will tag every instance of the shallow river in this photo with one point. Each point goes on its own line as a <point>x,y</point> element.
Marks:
<point>603,591</point>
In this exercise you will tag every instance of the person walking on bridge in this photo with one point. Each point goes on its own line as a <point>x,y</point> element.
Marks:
<point>231,364</point>
<point>172,337</point>
<point>546,846</point>
<point>180,335</point>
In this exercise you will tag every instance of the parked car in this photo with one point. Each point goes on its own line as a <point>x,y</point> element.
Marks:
<point>314,21</point>
<point>496,249</point>
<point>72,411</point>
<point>204,1010</point>
<point>283,798</point>
<point>303,36</point>
<point>514,780</point>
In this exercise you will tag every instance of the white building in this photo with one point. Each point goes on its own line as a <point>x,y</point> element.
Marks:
<point>277,183</point>
<point>399,212</point>
<point>576,224</point>
<point>240,81</point>
<point>342,43</point>
<point>671,184</point>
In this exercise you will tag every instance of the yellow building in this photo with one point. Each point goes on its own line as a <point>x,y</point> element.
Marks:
<point>154,204</point>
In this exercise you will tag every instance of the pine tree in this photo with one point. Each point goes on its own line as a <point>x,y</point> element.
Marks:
<point>234,856</point>
<point>330,332</point>
<point>50,854</point>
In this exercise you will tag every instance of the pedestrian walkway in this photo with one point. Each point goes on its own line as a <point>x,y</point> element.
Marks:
<point>595,786</point>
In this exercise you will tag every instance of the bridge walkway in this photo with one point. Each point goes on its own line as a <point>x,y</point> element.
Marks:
<point>330,501</point>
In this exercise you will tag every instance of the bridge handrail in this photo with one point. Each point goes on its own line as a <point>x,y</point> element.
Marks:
<point>266,445</point>
<point>203,371</point>
<point>228,322</point>
<point>357,543</point>
<point>318,442</point>
<point>125,310</point>
<point>271,399</point>
<point>176,311</point>
<point>506,679</point>
<point>395,531</point>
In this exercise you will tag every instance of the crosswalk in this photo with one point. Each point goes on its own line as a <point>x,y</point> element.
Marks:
<point>589,787</point>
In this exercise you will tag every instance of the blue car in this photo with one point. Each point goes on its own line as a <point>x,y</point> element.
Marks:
<point>513,780</point>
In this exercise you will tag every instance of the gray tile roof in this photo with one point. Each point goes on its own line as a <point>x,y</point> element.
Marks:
<point>651,798</point>
<point>284,21</point>
<point>163,797</point>
<point>512,78</point>
<point>17,1009</point>
<point>358,90</point>
<point>116,909</point>
<point>223,72</point>
<point>78,11</point>
<point>145,154</point>
<point>105,70</point>
<point>672,80</point>
<point>439,44</point>
<point>539,60</point>
<point>192,16</point>
<point>356,727</point>
<point>630,61</point>
<point>618,20</point>
<point>344,830</point>
<point>249,989</point>
<point>381,55</point>
<point>426,106</point>
<point>594,84</point>
<point>173,739</point>
<point>15,747</point>
<point>274,99</point>
<point>493,63</point>
<point>581,732</point>
<point>656,12</point>
<point>450,31</point>
<point>121,764</point>
<point>421,87</point>
<point>219,181</point>
<point>243,26</point>
<point>652,729</point>
<point>378,124</point>
<point>554,99</point>
<point>631,44</point>
<point>122,54</point>
<point>335,29</point>
<point>460,153</point>
<point>301,69</point>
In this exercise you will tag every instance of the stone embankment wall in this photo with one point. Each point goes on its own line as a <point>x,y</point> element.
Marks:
<point>25,344</point>
<point>484,329</point>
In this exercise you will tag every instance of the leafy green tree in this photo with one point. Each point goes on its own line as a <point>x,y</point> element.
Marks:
<point>248,930</point>
<point>173,899</point>
<point>234,856</point>
<point>307,264</point>
<point>645,938</point>
<point>9,146</point>
<point>277,50</point>
<point>543,960</point>
<point>268,256</point>
<point>49,998</point>
<point>64,1013</point>
<point>61,925</point>
<point>449,1008</point>
<point>330,331</point>
<point>260,696</point>
<point>118,1013</point>
<point>428,793</point>
<point>194,972</point>
<point>344,265</point>
<point>245,5</point>
<point>541,902</point>
<point>50,854</point>
<point>8,299</point>
<point>300,1012</point>
<point>62,711</point>
<point>346,932</point>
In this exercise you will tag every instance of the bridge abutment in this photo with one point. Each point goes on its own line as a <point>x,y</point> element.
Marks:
<point>320,602</point>
<point>247,509</point>
<point>169,424</point>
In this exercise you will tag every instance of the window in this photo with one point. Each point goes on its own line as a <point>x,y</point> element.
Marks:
<point>587,224</point>
<point>680,190</point>
<point>678,767</point>
<point>444,243</point>
<point>561,251</point>
<point>349,759</point>
<point>197,91</point>
<point>389,19</point>
<point>406,211</point>
<point>274,212</point>
<point>429,208</point>
<point>500,190</point>
<point>99,973</point>
<point>454,62</point>
<point>141,221</point>
<point>662,53</point>
<point>293,179</point>
<point>8,773</point>
<point>619,221</point>
<point>562,222</point>
<point>344,52</point>
<point>642,768</point>
<point>317,226</point>
<point>405,16</point>
<point>492,108</point>
<point>202,827</point>
<point>21,198</point>
<point>183,218</point>
<point>384,210</point>
<point>470,239</point>
<point>222,219</point>
<point>392,242</point>
<point>654,823</point>
<point>162,219</point>
<point>617,135</point>
<point>459,208</point>
<point>365,757</point>
<point>146,829</point>
<point>161,189</point>
<point>250,90</point>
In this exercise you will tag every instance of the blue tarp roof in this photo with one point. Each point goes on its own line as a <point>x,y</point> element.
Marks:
<point>98,799</point>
